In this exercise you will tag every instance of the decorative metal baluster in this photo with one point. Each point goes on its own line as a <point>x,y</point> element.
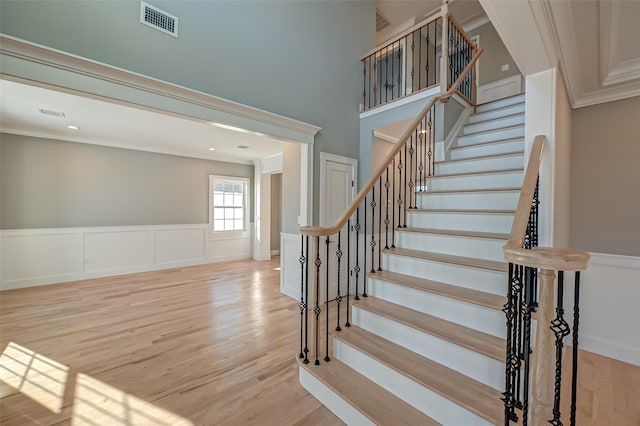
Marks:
<point>421,142</point>
<point>516,332</point>
<point>356,268</point>
<point>508,309</point>
<point>303,304</point>
<point>306,308</point>
<point>326,302</point>
<point>574,366</point>
<point>379,244</point>
<point>372,244</point>
<point>387,184</point>
<point>393,210</point>
<point>339,296</point>
<point>348,324</point>
<point>386,74</point>
<point>431,141</point>
<point>374,77</point>
<point>404,70</point>
<point>526,345</point>
<point>317,309</point>
<point>364,257</point>
<point>400,189</point>
<point>405,184</point>
<point>419,62</point>
<point>364,89</point>
<point>426,67</point>
<point>435,43</point>
<point>560,329</point>
<point>413,58</point>
<point>411,168</point>
<point>399,69</point>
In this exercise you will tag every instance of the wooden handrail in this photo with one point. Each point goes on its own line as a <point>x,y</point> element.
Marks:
<point>555,259</point>
<point>403,34</point>
<point>342,220</point>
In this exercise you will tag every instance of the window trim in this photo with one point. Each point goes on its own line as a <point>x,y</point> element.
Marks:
<point>213,235</point>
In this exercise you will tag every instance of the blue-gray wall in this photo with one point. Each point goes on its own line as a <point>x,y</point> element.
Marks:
<point>299,59</point>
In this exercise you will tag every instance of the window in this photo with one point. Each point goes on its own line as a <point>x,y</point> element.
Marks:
<point>227,204</point>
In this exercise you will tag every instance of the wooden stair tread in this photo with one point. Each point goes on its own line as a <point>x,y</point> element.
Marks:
<point>450,258</point>
<point>483,343</point>
<point>481,211</point>
<point>497,129</point>
<point>373,401</point>
<point>497,141</point>
<point>469,191</point>
<point>476,297</point>
<point>482,157</point>
<point>483,172</point>
<point>472,234</point>
<point>475,396</point>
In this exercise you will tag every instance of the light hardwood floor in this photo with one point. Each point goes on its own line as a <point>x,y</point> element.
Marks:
<point>204,345</point>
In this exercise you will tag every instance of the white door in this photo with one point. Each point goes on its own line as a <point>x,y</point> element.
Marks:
<point>337,190</point>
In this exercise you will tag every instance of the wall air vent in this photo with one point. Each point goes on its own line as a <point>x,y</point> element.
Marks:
<point>52,113</point>
<point>158,19</point>
<point>381,21</point>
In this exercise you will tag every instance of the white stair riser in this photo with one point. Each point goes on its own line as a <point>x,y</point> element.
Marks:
<point>477,181</point>
<point>496,135</point>
<point>486,149</point>
<point>479,279</point>
<point>496,113</point>
<point>480,164</point>
<point>501,103</point>
<point>484,222</point>
<point>493,124</point>
<point>480,248</point>
<point>424,399</point>
<point>331,400</point>
<point>470,200</point>
<point>463,360</point>
<point>480,318</point>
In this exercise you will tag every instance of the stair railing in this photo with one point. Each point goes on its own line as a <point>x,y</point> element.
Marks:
<point>336,261</point>
<point>538,369</point>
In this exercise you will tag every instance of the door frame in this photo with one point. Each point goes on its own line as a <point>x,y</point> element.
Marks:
<point>324,158</point>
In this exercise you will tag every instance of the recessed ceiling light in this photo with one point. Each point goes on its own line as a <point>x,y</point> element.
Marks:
<point>212,149</point>
<point>73,127</point>
<point>243,146</point>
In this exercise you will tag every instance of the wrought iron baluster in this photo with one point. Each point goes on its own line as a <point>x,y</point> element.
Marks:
<point>326,302</point>
<point>526,345</point>
<point>412,170</point>
<point>405,186</point>
<point>431,143</point>
<point>374,77</point>
<point>386,74</point>
<point>372,244</point>
<point>387,184</point>
<point>379,244</point>
<point>393,210</point>
<point>404,70</point>
<point>400,189</point>
<point>511,357</point>
<point>560,329</point>
<point>364,257</point>
<point>364,83</point>
<point>419,61</point>
<point>339,296</point>
<point>426,67</point>
<point>356,268</point>
<point>306,308</point>
<point>317,309</point>
<point>303,304</point>
<point>574,354</point>
<point>348,324</point>
<point>413,60</point>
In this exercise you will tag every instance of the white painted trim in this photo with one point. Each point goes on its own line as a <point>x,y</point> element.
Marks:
<point>324,157</point>
<point>500,89</point>
<point>306,185</point>
<point>32,257</point>
<point>456,130</point>
<point>50,67</point>
<point>225,235</point>
<point>433,91</point>
<point>476,23</point>
<point>275,252</point>
<point>289,265</point>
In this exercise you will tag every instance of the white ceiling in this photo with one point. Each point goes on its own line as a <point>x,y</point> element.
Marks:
<point>111,124</point>
<point>399,11</point>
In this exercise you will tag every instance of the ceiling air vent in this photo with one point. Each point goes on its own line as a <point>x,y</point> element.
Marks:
<point>381,21</point>
<point>52,113</point>
<point>158,19</point>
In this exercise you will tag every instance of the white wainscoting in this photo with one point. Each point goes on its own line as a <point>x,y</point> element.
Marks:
<point>32,257</point>
<point>609,307</point>
<point>500,89</point>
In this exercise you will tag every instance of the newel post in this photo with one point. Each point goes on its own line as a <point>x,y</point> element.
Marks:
<point>544,359</point>
<point>444,63</point>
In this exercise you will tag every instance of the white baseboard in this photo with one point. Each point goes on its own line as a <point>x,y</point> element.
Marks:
<point>275,252</point>
<point>32,257</point>
<point>500,89</point>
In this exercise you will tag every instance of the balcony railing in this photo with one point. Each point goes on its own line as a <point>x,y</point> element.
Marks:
<point>413,61</point>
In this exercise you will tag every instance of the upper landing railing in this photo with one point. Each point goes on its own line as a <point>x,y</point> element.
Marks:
<point>413,61</point>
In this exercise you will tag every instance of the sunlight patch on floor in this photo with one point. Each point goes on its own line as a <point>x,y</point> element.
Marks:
<point>36,376</point>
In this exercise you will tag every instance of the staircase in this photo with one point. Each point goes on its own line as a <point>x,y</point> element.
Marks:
<point>427,345</point>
